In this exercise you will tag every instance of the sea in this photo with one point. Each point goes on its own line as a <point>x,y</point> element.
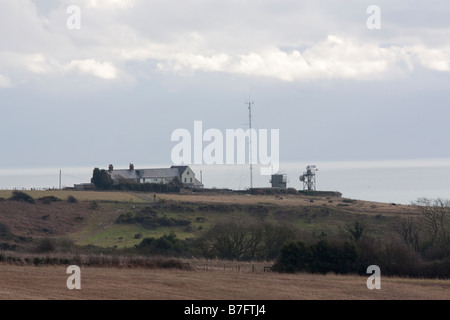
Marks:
<point>388,181</point>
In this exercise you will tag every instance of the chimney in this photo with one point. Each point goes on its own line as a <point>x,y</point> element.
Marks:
<point>110,167</point>
<point>131,166</point>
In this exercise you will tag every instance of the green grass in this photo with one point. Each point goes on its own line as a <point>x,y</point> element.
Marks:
<point>100,229</point>
<point>123,236</point>
<point>330,221</point>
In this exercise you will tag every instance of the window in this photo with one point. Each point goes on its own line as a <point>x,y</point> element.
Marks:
<point>185,179</point>
<point>156,179</point>
<point>191,179</point>
<point>188,172</point>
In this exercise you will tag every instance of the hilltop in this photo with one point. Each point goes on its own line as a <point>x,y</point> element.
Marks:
<point>111,219</point>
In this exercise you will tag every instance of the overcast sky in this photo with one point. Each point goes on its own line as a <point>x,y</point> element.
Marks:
<point>114,90</point>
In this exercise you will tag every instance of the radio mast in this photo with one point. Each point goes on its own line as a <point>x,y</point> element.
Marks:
<point>250,103</point>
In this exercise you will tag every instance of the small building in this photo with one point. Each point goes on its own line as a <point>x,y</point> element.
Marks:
<point>279,181</point>
<point>155,175</point>
<point>84,186</point>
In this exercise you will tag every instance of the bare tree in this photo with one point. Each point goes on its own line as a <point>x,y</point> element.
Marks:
<point>355,230</point>
<point>410,232</point>
<point>434,219</point>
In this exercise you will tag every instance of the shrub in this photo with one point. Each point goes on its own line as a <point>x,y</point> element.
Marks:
<point>355,230</point>
<point>101,179</point>
<point>22,197</point>
<point>72,199</point>
<point>49,199</point>
<point>93,205</point>
<point>45,245</point>
<point>321,257</point>
<point>294,256</point>
<point>165,245</point>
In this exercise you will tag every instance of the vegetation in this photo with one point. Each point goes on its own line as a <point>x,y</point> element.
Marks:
<point>423,252</point>
<point>49,199</point>
<point>21,197</point>
<point>147,187</point>
<point>231,239</point>
<point>149,218</point>
<point>290,231</point>
<point>101,179</point>
<point>72,199</point>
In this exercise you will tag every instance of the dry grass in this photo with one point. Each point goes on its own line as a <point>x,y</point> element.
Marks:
<point>226,198</point>
<point>80,195</point>
<point>26,282</point>
<point>360,206</point>
<point>58,218</point>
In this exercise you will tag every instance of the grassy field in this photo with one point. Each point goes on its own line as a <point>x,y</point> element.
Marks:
<point>81,195</point>
<point>28,282</point>
<point>92,220</point>
<point>87,224</point>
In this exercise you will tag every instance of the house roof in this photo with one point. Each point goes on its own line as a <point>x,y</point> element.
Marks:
<point>158,173</point>
<point>197,183</point>
<point>144,173</point>
<point>180,169</point>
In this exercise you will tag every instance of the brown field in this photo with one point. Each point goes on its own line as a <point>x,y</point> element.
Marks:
<point>41,283</point>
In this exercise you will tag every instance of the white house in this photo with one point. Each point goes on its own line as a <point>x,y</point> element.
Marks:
<point>155,175</point>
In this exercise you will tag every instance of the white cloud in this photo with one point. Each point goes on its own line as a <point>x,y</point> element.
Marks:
<point>434,59</point>
<point>194,62</point>
<point>37,63</point>
<point>114,4</point>
<point>263,47</point>
<point>103,70</point>
<point>334,58</point>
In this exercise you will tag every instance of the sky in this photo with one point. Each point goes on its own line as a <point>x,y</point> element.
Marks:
<point>114,89</point>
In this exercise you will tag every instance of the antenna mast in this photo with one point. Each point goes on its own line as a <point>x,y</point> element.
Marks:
<point>250,103</point>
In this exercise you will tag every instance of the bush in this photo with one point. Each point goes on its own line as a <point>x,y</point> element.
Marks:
<point>101,179</point>
<point>321,257</point>
<point>72,199</point>
<point>21,196</point>
<point>294,257</point>
<point>45,245</point>
<point>231,239</point>
<point>49,199</point>
<point>93,205</point>
<point>165,245</point>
